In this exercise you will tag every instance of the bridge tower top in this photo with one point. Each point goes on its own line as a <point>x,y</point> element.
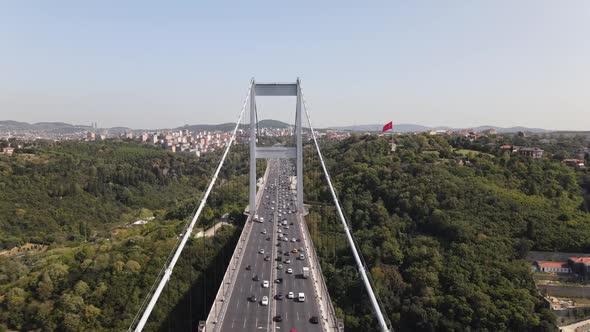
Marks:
<point>276,89</point>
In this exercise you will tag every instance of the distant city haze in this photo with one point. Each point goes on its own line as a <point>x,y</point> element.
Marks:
<point>162,65</point>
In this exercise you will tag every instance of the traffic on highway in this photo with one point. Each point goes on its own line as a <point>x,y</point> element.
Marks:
<point>273,290</point>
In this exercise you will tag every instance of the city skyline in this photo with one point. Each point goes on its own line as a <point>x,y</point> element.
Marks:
<point>150,66</point>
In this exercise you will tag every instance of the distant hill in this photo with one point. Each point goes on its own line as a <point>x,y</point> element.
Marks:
<point>13,124</point>
<point>46,127</point>
<point>408,128</point>
<point>61,127</point>
<point>231,125</point>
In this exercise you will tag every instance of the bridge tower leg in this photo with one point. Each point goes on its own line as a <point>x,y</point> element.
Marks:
<point>299,139</point>
<point>252,197</point>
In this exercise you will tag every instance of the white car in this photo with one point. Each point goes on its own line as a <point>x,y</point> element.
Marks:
<point>280,266</point>
<point>261,251</point>
<point>264,231</point>
<point>293,240</point>
<point>289,270</point>
<point>291,295</point>
<point>265,284</point>
<point>264,300</point>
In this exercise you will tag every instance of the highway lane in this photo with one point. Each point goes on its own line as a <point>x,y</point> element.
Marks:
<point>295,314</point>
<point>245,315</point>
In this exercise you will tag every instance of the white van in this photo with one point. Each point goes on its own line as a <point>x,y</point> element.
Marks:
<point>301,297</point>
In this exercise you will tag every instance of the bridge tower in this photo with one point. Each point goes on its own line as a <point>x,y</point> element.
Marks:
<point>276,89</point>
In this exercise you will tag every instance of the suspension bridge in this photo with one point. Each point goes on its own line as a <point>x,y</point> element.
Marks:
<point>273,281</point>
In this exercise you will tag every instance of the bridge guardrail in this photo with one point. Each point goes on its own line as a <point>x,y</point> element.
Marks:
<point>334,324</point>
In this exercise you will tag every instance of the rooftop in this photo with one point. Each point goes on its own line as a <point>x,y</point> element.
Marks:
<point>552,264</point>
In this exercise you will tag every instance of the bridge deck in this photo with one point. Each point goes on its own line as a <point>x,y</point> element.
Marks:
<point>233,310</point>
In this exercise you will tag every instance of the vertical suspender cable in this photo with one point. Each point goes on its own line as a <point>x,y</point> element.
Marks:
<point>380,317</point>
<point>189,229</point>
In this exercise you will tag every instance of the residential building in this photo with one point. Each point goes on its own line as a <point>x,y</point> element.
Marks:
<point>574,162</point>
<point>555,267</point>
<point>534,153</point>
<point>8,150</point>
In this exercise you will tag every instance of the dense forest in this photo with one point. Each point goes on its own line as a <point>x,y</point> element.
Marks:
<point>81,265</point>
<point>443,224</point>
<point>443,231</point>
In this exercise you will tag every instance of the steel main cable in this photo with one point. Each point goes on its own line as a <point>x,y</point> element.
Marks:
<point>170,266</point>
<point>377,305</point>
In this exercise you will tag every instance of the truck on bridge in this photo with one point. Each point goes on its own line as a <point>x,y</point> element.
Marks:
<point>305,272</point>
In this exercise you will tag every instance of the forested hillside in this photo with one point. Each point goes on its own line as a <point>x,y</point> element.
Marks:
<point>443,233</point>
<point>88,268</point>
<point>443,229</point>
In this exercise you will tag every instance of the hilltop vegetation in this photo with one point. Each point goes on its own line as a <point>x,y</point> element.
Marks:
<point>443,239</point>
<point>74,191</point>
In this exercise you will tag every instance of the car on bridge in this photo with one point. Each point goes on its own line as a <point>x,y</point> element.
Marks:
<point>301,297</point>
<point>264,300</point>
<point>265,284</point>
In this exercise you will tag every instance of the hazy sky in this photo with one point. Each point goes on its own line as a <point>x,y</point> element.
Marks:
<point>148,64</point>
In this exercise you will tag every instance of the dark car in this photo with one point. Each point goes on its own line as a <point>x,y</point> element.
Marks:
<point>252,298</point>
<point>314,320</point>
<point>256,278</point>
<point>279,280</point>
<point>248,267</point>
<point>267,258</point>
<point>278,318</point>
<point>279,296</point>
<point>291,223</point>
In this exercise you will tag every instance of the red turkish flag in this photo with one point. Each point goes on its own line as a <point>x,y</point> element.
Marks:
<point>388,126</point>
